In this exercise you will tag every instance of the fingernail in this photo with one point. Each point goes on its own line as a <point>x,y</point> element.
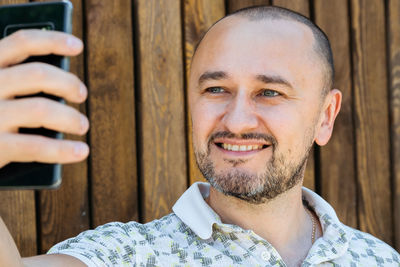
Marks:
<point>74,42</point>
<point>80,149</point>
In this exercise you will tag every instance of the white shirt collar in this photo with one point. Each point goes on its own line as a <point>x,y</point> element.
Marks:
<point>193,210</point>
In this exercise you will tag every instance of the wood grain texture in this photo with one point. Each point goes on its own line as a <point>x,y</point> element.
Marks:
<point>338,181</point>
<point>302,7</point>
<point>199,15</point>
<point>59,217</point>
<point>394,63</point>
<point>233,5</point>
<point>371,118</point>
<point>162,137</point>
<point>112,111</point>
<point>11,2</point>
<point>18,212</point>
<point>18,207</point>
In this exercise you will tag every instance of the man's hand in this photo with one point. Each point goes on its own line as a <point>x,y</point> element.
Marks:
<point>33,112</point>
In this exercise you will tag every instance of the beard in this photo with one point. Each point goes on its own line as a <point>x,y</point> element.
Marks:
<point>278,176</point>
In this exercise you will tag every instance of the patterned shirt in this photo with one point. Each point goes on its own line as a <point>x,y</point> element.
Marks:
<point>193,235</point>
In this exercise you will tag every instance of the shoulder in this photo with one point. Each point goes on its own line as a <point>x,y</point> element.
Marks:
<point>135,231</point>
<point>364,247</point>
<point>118,243</point>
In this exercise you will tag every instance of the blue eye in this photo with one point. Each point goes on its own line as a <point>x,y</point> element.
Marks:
<point>269,93</point>
<point>215,90</point>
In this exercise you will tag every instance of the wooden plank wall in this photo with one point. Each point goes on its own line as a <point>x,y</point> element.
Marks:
<point>136,63</point>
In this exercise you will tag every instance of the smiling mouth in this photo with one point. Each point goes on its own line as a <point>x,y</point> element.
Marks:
<point>241,148</point>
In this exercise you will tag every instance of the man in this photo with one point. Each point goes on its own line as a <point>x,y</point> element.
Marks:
<point>260,96</point>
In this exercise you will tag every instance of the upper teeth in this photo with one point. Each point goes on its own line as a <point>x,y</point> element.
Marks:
<point>241,147</point>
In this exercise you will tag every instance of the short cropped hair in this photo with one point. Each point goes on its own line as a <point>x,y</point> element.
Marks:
<point>321,44</point>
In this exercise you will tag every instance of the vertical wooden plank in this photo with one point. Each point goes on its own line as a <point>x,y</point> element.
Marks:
<point>11,2</point>
<point>338,177</point>
<point>162,136</point>
<point>18,212</point>
<point>18,207</point>
<point>371,118</point>
<point>61,218</point>
<point>112,111</point>
<point>233,5</point>
<point>302,7</point>
<point>199,15</point>
<point>394,63</point>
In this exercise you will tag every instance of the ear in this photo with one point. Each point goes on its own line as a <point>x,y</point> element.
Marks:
<point>330,110</point>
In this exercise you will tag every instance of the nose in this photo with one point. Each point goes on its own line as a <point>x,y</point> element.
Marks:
<point>240,116</point>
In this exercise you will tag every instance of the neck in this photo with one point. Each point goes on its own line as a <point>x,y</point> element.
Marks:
<point>282,221</point>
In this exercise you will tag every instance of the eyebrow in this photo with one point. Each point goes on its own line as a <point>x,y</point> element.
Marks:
<point>212,75</point>
<point>220,75</point>
<point>273,79</point>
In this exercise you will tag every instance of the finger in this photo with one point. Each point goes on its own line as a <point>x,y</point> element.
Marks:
<point>32,78</point>
<point>28,148</point>
<point>41,112</point>
<point>24,43</point>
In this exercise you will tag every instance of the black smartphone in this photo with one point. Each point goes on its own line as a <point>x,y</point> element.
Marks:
<point>47,16</point>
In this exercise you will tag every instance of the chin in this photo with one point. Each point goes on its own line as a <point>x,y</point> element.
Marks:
<point>238,182</point>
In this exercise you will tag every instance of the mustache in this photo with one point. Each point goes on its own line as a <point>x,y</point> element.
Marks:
<point>245,136</point>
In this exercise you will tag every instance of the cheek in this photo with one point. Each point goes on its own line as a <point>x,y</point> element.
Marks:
<point>287,124</point>
<point>205,118</point>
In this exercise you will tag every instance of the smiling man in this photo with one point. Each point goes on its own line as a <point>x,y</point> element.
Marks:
<point>259,100</point>
<point>260,96</point>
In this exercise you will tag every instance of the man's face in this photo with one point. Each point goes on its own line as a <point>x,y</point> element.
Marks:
<point>255,99</point>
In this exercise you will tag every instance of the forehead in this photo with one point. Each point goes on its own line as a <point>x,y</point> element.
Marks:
<point>276,47</point>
